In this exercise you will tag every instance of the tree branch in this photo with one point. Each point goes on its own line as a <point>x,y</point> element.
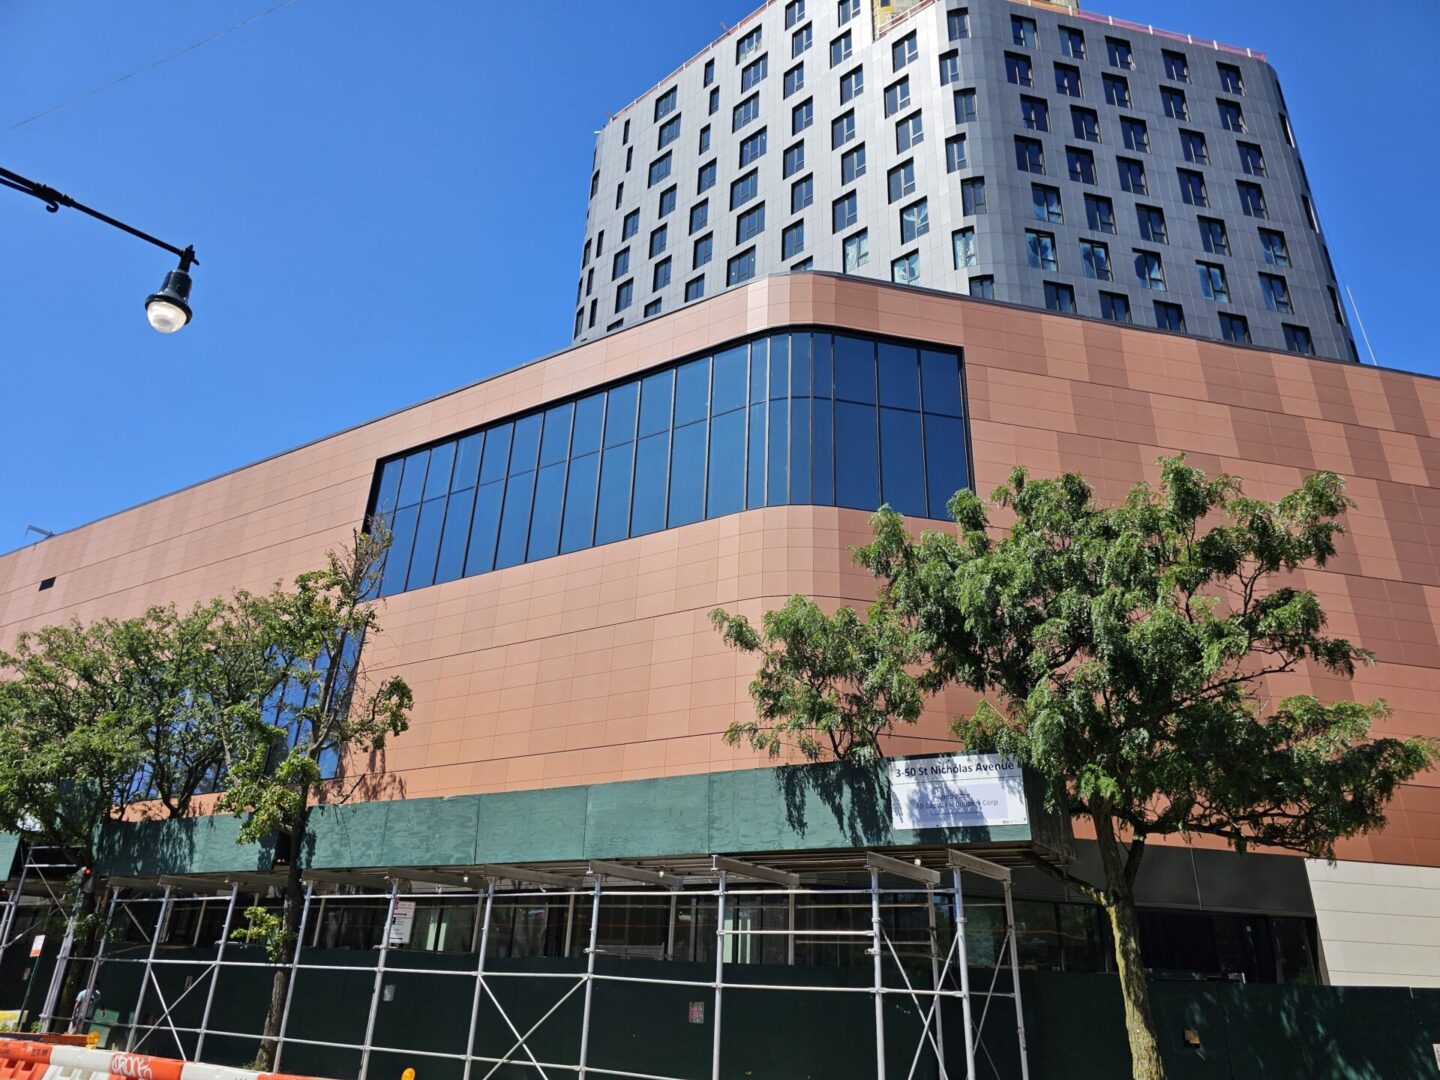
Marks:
<point>1068,879</point>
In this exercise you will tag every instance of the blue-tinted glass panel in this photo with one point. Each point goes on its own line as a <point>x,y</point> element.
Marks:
<point>467,462</point>
<point>822,465</point>
<point>589,415</point>
<point>794,444</point>
<point>525,446</point>
<point>555,443</point>
<point>726,471</point>
<point>780,366</point>
<point>759,369</point>
<point>497,453</point>
<point>427,543</point>
<point>612,514</point>
<point>692,392</point>
<point>940,382</point>
<point>777,488</point>
<point>730,375</point>
<point>397,559</point>
<point>800,450</point>
<point>515,519</point>
<point>945,470</point>
<point>857,473</point>
<point>484,527</point>
<point>687,474</point>
<point>755,459</point>
<point>545,517</point>
<point>620,414</point>
<point>388,490</point>
<point>456,536</point>
<point>652,454</point>
<point>412,484</point>
<point>655,403</point>
<point>902,466</point>
<point>899,385</point>
<point>854,370</point>
<point>822,372</point>
<point>442,460</point>
<point>799,363</point>
<point>578,530</point>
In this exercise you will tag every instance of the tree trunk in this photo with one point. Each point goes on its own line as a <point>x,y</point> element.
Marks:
<point>1145,1060</point>
<point>289,944</point>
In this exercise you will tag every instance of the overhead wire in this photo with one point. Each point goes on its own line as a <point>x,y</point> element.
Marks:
<point>151,66</point>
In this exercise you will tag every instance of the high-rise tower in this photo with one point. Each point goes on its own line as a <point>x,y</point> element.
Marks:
<point>1029,153</point>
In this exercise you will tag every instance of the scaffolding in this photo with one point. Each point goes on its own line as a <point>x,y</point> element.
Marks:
<point>729,882</point>
<point>40,889</point>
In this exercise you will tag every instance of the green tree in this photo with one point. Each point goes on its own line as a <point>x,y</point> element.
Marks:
<point>70,752</point>
<point>321,713</point>
<point>1121,653</point>
<point>95,719</point>
<point>194,684</point>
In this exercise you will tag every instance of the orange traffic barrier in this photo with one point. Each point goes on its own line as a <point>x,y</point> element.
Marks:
<point>23,1059</point>
<point>32,1059</point>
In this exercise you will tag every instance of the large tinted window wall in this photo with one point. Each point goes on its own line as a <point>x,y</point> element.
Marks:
<point>795,418</point>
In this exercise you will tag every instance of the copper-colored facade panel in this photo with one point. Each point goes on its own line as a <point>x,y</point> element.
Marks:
<point>600,665</point>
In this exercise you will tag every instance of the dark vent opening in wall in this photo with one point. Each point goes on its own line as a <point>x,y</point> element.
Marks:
<point>48,583</point>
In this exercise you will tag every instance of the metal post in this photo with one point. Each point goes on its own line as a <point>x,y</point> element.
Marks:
<point>379,981</point>
<point>935,980</point>
<point>99,953</point>
<point>479,977</point>
<point>964,957</point>
<point>589,979</point>
<point>149,965</point>
<point>790,925</point>
<point>62,962</point>
<point>670,934</point>
<point>719,973</point>
<point>13,907</point>
<point>1015,978</point>
<point>215,972</point>
<point>569,925</point>
<point>875,935</point>
<point>294,973</point>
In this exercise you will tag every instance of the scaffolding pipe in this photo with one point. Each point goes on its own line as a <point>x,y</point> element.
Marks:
<point>589,980</point>
<point>62,961</point>
<point>149,967</point>
<point>379,980</point>
<point>8,923</point>
<point>964,975</point>
<point>719,973</point>
<point>479,978</point>
<point>95,963</point>
<point>294,974</point>
<point>879,974</point>
<point>935,978</point>
<point>1015,977</point>
<point>215,973</point>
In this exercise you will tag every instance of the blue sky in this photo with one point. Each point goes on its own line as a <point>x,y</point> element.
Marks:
<point>388,202</point>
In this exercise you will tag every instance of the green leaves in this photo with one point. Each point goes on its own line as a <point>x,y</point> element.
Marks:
<point>251,692</point>
<point>320,707</point>
<point>834,684</point>
<point>1123,651</point>
<point>263,927</point>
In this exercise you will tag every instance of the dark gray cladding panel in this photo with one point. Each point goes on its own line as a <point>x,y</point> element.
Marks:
<point>1176,877</point>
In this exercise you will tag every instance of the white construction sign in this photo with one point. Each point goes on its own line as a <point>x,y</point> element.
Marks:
<point>951,791</point>
<point>403,925</point>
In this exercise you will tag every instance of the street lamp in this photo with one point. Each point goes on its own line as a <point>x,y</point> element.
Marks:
<point>167,309</point>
